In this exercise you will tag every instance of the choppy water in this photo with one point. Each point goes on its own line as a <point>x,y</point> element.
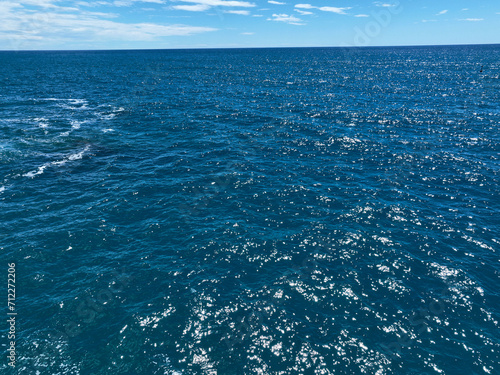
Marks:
<point>274,211</point>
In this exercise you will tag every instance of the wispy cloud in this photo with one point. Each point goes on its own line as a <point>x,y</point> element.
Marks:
<point>204,5</point>
<point>472,19</point>
<point>247,33</point>
<point>127,3</point>
<point>385,5</point>
<point>303,12</point>
<point>116,3</point>
<point>324,9</point>
<point>51,26</point>
<point>292,20</point>
<point>334,9</point>
<point>276,2</point>
<point>93,4</point>
<point>47,4</point>
<point>222,3</point>
<point>242,12</point>
<point>304,6</point>
<point>442,12</point>
<point>361,15</point>
<point>192,8</point>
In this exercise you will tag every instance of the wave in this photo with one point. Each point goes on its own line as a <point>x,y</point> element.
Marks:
<point>42,122</point>
<point>70,100</point>
<point>111,113</point>
<point>72,157</point>
<point>75,124</point>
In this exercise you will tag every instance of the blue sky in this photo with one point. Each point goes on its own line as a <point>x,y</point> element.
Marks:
<point>124,24</point>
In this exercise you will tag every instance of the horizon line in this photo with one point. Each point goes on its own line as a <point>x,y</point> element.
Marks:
<point>230,48</point>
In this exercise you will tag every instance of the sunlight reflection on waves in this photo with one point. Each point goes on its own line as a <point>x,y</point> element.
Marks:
<point>340,224</point>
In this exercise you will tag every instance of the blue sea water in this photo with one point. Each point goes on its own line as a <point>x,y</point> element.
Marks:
<point>253,211</point>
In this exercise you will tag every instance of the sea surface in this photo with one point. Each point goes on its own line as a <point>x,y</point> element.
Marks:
<point>252,211</point>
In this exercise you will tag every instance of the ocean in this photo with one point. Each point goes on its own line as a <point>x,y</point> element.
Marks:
<point>251,211</point>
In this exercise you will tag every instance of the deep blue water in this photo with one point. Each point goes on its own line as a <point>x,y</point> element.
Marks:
<point>261,211</point>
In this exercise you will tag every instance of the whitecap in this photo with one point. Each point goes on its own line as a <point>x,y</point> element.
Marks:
<point>79,155</point>
<point>72,107</point>
<point>110,113</point>
<point>73,104</point>
<point>75,124</point>
<point>77,101</point>
<point>42,122</point>
<point>40,170</point>
<point>48,99</point>
<point>71,157</point>
<point>70,100</point>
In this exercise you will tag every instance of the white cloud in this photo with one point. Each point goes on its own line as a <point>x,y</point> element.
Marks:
<point>334,9</point>
<point>361,15</point>
<point>385,5</point>
<point>247,33</point>
<point>242,12</point>
<point>222,3</point>
<point>6,6</point>
<point>304,6</point>
<point>192,8</point>
<point>46,4</point>
<point>472,19</point>
<point>442,12</point>
<point>116,3</point>
<point>26,28</point>
<point>127,3</point>
<point>257,15</point>
<point>324,9</point>
<point>276,2</point>
<point>303,12</point>
<point>92,4</point>
<point>292,20</point>
<point>38,3</point>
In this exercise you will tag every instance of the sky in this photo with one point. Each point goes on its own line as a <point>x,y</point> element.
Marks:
<point>160,24</point>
